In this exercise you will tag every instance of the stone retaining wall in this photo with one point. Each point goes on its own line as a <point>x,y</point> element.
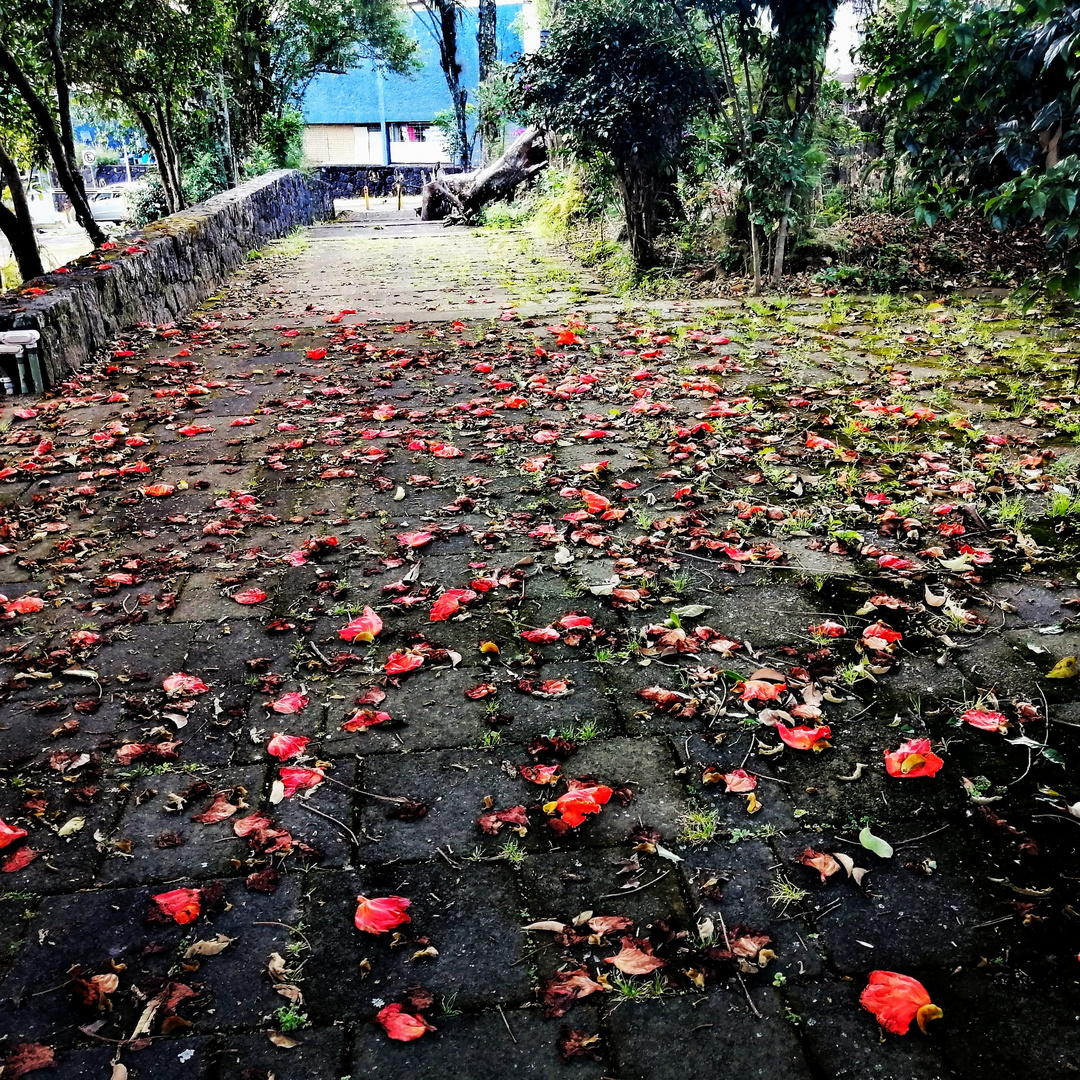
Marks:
<point>176,263</point>
<point>348,181</point>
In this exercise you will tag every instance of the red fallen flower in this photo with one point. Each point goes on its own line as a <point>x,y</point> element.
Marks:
<point>541,774</point>
<point>828,629</point>
<point>414,539</point>
<point>195,429</point>
<point>672,701</point>
<point>549,689</point>
<point>380,915</point>
<point>564,988</point>
<point>362,628</point>
<point>739,781</point>
<point>284,747</point>
<point>295,778</point>
<point>159,491</point>
<point>896,1000</point>
<point>894,562</point>
<point>289,703</point>
<point>985,721</point>
<point>10,833</point>
<point>636,957</point>
<point>574,804</point>
<point>494,820</point>
<point>182,905</point>
<point>450,603</point>
<point>575,622</point>
<point>824,864</point>
<point>804,738</point>
<point>544,636</point>
<point>162,751</point>
<point>879,632</point>
<point>83,639</point>
<point>760,690</point>
<point>365,718</point>
<point>218,810</point>
<point>25,605</point>
<point>184,684</point>
<point>18,859</point>
<point>253,595</point>
<point>913,758</point>
<point>28,1057</point>
<point>445,450</point>
<point>481,690</point>
<point>398,663</point>
<point>400,1025</point>
<point>315,354</point>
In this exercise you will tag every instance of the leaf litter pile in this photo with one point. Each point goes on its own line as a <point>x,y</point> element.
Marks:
<point>530,690</point>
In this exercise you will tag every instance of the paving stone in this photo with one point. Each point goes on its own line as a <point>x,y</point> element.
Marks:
<point>153,829</point>
<point>843,1040</point>
<point>738,883</point>
<point>479,1046</point>
<point>469,914</point>
<point>453,783</point>
<point>318,1054</point>
<point>717,1031</point>
<point>190,1058</point>
<point>97,929</point>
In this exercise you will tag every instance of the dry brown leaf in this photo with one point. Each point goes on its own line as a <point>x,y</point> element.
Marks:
<point>209,947</point>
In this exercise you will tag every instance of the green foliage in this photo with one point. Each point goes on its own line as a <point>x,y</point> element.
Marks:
<point>987,113</point>
<point>283,137</point>
<point>619,78</point>
<point>446,120</point>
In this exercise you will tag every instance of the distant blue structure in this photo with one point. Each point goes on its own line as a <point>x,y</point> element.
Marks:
<point>365,117</point>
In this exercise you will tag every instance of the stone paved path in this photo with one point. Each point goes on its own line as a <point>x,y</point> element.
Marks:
<point>382,418</point>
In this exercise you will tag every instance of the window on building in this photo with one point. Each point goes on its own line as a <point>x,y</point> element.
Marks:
<point>412,132</point>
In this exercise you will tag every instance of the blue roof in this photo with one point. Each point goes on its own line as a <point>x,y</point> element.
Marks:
<point>365,96</point>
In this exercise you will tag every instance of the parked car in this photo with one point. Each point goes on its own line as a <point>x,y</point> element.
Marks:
<point>112,203</point>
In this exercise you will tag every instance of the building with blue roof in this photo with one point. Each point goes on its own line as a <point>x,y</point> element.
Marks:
<point>369,117</point>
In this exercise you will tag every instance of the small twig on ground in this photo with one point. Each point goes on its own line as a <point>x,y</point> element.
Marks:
<point>904,843</point>
<point>340,824</point>
<point>291,929</point>
<point>507,1023</point>
<point>637,888</point>
<point>738,975</point>
<point>368,794</point>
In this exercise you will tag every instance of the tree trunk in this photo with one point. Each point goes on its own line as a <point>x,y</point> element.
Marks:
<point>232,169</point>
<point>154,139</point>
<point>17,224</point>
<point>80,204</point>
<point>445,13</point>
<point>464,195</point>
<point>69,178</point>
<point>781,236</point>
<point>487,49</point>
<point>755,254</point>
<point>642,192</point>
<point>171,160</point>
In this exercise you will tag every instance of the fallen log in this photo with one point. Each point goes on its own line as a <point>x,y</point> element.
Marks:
<point>461,197</point>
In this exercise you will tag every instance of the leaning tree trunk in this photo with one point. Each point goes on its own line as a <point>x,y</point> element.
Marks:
<point>463,195</point>
<point>66,172</point>
<point>16,224</point>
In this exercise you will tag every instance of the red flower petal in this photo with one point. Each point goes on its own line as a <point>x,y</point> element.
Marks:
<point>181,904</point>
<point>400,1025</point>
<point>379,915</point>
